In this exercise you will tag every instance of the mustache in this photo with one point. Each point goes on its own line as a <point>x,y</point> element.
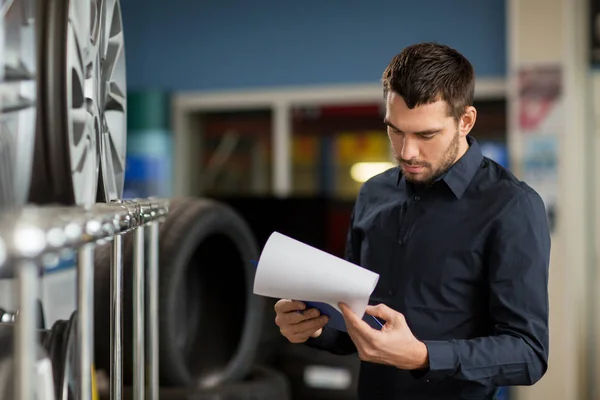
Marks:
<point>411,163</point>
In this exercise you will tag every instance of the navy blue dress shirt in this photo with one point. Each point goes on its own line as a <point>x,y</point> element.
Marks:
<point>466,261</point>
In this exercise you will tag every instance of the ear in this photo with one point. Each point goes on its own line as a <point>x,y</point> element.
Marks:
<point>467,121</point>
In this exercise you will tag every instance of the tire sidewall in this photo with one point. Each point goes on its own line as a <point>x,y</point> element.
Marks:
<point>211,219</point>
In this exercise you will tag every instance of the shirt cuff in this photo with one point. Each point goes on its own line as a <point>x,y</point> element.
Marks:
<point>443,360</point>
<point>442,356</point>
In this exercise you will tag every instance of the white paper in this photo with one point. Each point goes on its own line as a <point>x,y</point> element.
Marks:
<point>290,269</point>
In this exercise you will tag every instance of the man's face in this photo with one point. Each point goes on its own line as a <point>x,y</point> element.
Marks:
<point>426,140</point>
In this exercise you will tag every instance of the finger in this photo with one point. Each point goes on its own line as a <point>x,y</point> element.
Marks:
<point>294,317</point>
<point>309,325</point>
<point>386,313</point>
<point>287,305</point>
<point>310,331</point>
<point>353,322</point>
<point>301,338</point>
<point>348,314</point>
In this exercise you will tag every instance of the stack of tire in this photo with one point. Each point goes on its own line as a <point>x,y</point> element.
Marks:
<point>210,322</point>
<point>63,135</point>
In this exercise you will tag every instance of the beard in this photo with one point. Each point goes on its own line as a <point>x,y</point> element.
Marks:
<point>432,172</point>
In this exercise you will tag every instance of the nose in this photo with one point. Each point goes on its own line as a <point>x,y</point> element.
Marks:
<point>410,149</point>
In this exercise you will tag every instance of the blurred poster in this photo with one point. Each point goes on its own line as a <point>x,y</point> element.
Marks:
<point>540,99</point>
<point>541,124</point>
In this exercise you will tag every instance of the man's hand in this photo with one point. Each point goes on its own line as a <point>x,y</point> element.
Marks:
<point>393,345</point>
<point>297,323</point>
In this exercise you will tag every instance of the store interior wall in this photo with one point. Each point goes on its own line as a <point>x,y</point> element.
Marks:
<point>214,46</point>
<point>184,45</point>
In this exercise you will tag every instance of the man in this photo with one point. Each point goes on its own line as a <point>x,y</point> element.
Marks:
<point>462,248</point>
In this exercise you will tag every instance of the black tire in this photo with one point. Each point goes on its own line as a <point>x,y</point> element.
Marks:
<point>52,175</point>
<point>296,360</point>
<point>55,344</point>
<point>41,318</point>
<point>61,345</point>
<point>271,341</point>
<point>40,189</point>
<point>261,384</point>
<point>209,319</point>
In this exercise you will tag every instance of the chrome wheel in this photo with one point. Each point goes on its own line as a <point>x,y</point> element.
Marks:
<point>18,66</point>
<point>113,88</point>
<point>83,36</point>
<point>70,121</point>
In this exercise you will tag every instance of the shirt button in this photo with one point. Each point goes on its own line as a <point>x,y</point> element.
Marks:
<point>391,292</point>
<point>417,198</point>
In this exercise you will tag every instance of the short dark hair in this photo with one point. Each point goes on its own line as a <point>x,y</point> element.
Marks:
<point>427,72</point>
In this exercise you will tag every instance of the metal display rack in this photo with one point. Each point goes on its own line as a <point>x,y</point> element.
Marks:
<point>32,237</point>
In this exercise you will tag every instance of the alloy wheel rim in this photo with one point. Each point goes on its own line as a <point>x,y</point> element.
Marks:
<point>83,95</point>
<point>114,100</point>
<point>18,87</point>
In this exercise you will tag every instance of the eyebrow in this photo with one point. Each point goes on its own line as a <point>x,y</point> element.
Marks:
<point>422,133</point>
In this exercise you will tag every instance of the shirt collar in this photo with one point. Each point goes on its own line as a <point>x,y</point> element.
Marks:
<point>460,174</point>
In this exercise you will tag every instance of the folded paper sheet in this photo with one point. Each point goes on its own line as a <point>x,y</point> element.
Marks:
<point>290,269</point>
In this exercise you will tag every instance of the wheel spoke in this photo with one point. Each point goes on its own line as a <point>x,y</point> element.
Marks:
<point>114,52</point>
<point>114,107</point>
<point>75,64</point>
<point>115,99</point>
<point>79,19</point>
<point>113,165</point>
<point>79,124</point>
<point>82,125</point>
<point>118,159</point>
<point>84,116</point>
<point>117,152</point>
<point>116,25</point>
<point>81,155</point>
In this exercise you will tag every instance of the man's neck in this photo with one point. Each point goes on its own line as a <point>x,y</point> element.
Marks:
<point>463,146</point>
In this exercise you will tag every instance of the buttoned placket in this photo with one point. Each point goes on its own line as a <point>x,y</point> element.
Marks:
<point>407,218</point>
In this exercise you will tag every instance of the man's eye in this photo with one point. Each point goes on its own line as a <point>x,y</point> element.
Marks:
<point>428,137</point>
